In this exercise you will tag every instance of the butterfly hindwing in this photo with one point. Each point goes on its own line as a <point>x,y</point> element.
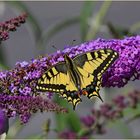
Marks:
<point>57,79</point>
<point>91,66</point>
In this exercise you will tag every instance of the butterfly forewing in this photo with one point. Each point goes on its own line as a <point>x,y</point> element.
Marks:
<point>91,66</point>
<point>57,79</point>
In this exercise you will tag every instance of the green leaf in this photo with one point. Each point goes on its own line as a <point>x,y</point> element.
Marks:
<point>85,14</point>
<point>117,31</point>
<point>114,32</point>
<point>54,30</point>
<point>74,121</point>
<point>61,119</point>
<point>69,120</point>
<point>14,129</point>
<point>17,127</point>
<point>96,22</point>
<point>132,113</point>
<point>3,64</point>
<point>32,20</point>
<point>36,136</point>
<point>135,27</point>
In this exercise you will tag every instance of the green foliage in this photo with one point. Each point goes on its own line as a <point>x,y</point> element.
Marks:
<point>122,127</point>
<point>86,13</point>
<point>3,64</point>
<point>47,35</point>
<point>118,32</point>
<point>70,120</point>
<point>34,24</point>
<point>96,22</point>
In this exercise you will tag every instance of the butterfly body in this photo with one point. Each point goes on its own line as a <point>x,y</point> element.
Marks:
<point>81,75</point>
<point>73,72</point>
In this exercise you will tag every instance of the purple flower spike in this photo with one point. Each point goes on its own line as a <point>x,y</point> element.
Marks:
<point>4,124</point>
<point>11,25</point>
<point>25,106</point>
<point>88,121</point>
<point>120,101</point>
<point>22,80</point>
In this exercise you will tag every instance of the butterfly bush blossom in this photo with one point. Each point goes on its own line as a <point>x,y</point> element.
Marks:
<point>16,96</point>
<point>3,123</point>
<point>11,25</point>
<point>22,80</point>
<point>5,28</point>
<point>25,106</point>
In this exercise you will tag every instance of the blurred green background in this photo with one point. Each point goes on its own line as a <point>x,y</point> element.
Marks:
<point>59,23</point>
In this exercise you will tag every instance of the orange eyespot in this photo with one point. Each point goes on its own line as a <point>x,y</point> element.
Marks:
<point>84,93</point>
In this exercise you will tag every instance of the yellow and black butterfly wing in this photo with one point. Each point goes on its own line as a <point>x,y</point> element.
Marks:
<point>91,66</point>
<point>57,79</point>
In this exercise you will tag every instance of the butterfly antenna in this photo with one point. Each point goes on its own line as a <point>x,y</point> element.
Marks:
<point>54,47</point>
<point>72,43</point>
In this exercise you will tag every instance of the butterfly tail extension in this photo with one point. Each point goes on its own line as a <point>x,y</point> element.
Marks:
<point>100,97</point>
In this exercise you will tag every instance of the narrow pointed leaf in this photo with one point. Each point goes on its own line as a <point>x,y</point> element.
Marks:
<point>96,22</point>
<point>32,20</point>
<point>85,15</point>
<point>54,30</point>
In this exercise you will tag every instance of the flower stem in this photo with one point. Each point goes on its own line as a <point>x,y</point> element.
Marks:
<point>132,119</point>
<point>97,20</point>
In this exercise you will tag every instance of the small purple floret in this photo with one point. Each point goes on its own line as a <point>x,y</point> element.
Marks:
<point>4,124</point>
<point>88,121</point>
<point>11,25</point>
